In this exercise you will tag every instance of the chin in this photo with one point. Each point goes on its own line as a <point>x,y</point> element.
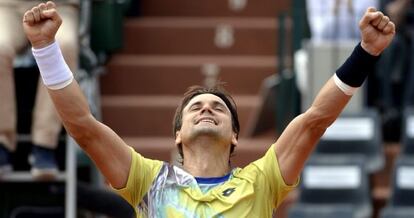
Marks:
<point>207,131</point>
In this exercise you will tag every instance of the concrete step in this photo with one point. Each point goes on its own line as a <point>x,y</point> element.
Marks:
<point>245,8</point>
<point>163,148</point>
<point>172,75</point>
<point>132,116</point>
<point>27,177</point>
<point>194,35</point>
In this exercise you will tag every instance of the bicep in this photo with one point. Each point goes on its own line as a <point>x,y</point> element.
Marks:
<point>110,153</point>
<point>294,147</point>
<point>301,135</point>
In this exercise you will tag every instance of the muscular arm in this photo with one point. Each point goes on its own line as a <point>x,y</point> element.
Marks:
<point>108,151</point>
<point>300,137</point>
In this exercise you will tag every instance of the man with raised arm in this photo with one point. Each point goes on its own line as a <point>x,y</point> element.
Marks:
<point>206,130</point>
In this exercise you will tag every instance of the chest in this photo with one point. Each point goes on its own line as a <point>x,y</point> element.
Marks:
<point>170,197</point>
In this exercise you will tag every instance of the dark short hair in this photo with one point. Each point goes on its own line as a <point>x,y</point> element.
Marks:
<point>194,91</point>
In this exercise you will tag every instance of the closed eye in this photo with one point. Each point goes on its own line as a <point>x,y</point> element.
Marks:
<point>195,108</point>
<point>219,108</point>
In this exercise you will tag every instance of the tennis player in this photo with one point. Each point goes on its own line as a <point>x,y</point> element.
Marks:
<point>206,129</point>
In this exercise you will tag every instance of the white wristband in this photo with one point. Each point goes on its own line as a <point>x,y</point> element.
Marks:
<point>348,90</point>
<point>53,68</point>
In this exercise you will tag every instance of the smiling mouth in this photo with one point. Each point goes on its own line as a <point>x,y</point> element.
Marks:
<point>207,120</point>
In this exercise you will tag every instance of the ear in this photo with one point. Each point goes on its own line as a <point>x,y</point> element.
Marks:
<point>234,140</point>
<point>177,137</point>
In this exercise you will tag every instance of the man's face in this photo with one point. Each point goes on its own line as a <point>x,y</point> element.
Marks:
<point>206,115</point>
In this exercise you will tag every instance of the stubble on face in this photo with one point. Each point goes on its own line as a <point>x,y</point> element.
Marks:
<point>214,123</point>
<point>205,130</point>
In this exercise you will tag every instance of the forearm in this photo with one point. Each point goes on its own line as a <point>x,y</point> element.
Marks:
<point>110,153</point>
<point>327,105</point>
<point>72,108</point>
<point>96,139</point>
<point>334,96</point>
<point>67,97</point>
<point>300,137</point>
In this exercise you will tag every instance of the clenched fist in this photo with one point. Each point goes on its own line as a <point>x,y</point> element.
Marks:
<point>377,31</point>
<point>41,24</point>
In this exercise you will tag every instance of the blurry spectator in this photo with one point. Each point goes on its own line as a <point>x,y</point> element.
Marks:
<point>395,71</point>
<point>336,19</point>
<point>329,20</point>
<point>46,125</point>
<point>399,71</point>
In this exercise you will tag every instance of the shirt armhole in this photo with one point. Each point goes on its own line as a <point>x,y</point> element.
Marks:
<point>281,187</point>
<point>279,173</point>
<point>141,175</point>
<point>125,191</point>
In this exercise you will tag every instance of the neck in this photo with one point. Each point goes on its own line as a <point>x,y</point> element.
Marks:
<point>207,159</point>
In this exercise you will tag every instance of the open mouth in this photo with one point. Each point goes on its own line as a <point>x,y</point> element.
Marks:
<point>207,120</point>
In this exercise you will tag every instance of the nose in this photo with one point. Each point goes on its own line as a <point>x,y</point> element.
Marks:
<point>206,108</point>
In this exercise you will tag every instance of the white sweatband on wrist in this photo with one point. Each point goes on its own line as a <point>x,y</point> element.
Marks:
<point>53,68</point>
<point>348,90</point>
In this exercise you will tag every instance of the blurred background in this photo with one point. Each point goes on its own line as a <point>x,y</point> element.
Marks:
<point>137,58</point>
